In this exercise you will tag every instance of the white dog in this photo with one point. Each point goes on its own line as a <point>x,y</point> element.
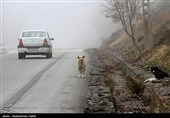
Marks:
<point>81,66</point>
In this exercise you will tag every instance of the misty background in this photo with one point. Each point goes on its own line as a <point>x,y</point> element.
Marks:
<point>72,24</point>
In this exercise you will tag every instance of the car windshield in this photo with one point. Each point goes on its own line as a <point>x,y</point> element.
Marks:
<point>33,34</point>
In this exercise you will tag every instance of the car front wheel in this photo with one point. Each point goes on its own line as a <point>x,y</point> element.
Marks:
<point>48,55</point>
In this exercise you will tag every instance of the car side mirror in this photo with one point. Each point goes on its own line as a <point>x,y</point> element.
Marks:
<point>51,38</point>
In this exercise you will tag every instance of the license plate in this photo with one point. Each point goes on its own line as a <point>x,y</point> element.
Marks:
<point>33,49</point>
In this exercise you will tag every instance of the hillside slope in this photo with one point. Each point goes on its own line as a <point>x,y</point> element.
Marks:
<point>160,54</point>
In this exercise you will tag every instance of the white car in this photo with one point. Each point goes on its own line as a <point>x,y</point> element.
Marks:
<point>34,42</point>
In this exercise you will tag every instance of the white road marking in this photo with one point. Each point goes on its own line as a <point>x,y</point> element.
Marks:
<point>11,52</point>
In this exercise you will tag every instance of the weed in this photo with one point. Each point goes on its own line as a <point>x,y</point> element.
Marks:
<point>147,98</point>
<point>110,83</point>
<point>135,86</point>
<point>168,51</point>
<point>151,99</point>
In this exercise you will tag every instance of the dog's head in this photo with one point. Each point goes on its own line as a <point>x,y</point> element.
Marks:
<point>155,70</point>
<point>81,59</point>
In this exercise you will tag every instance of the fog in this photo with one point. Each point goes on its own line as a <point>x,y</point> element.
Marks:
<point>72,24</point>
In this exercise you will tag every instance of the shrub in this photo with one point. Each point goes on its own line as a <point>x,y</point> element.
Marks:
<point>110,82</point>
<point>147,98</point>
<point>155,103</point>
<point>135,86</point>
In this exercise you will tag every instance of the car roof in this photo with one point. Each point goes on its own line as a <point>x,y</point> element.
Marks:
<point>34,30</point>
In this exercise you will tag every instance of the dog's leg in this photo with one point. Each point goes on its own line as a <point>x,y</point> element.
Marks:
<point>79,75</point>
<point>84,71</point>
<point>83,74</point>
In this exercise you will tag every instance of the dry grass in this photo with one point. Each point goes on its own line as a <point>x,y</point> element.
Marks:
<point>135,86</point>
<point>147,98</point>
<point>160,57</point>
<point>155,103</point>
<point>110,83</point>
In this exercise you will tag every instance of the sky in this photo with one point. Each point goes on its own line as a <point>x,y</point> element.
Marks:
<point>72,23</point>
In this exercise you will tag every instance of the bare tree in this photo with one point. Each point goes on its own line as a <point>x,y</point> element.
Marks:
<point>125,12</point>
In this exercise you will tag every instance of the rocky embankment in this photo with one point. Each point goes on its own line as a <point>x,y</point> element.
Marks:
<point>99,101</point>
<point>117,99</point>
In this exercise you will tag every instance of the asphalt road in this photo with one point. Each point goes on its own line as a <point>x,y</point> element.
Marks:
<point>40,85</point>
